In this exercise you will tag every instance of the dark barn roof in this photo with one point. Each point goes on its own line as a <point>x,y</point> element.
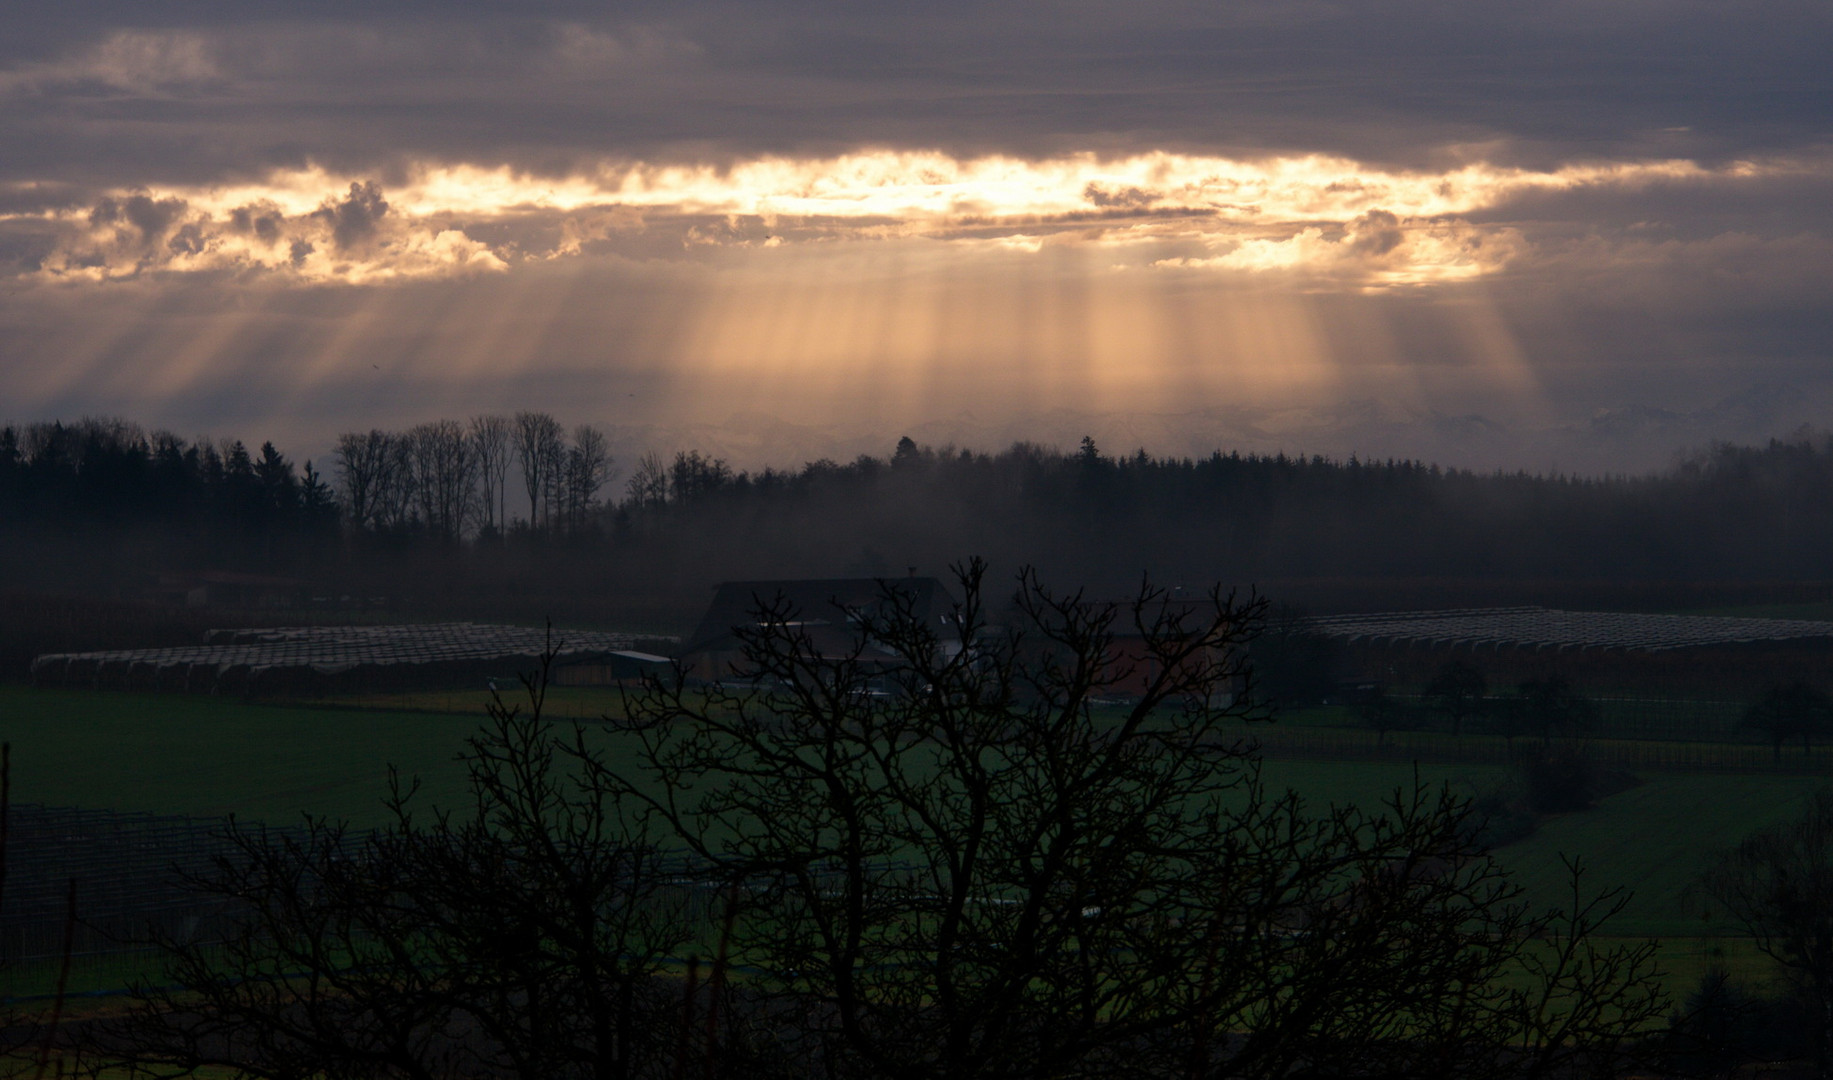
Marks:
<point>823,604</point>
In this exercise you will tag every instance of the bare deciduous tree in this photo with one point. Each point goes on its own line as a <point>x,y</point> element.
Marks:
<point>1457,690</point>
<point>693,475</point>
<point>364,466</point>
<point>588,468</point>
<point>444,468</point>
<point>525,934</point>
<point>397,493</point>
<point>490,442</point>
<point>648,483</point>
<point>1795,710</point>
<point>540,450</point>
<point>1777,885</point>
<point>964,859</point>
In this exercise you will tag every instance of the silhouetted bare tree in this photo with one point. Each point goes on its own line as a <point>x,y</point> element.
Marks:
<point>961,864</point>
<point>588,467</point>
<point>648,483</point>
<point>362,464</point>
<point>521,936</point>
<point>1792,711</point>
<point>490,442</point>
<point>1777,885</point>
<point>1457,690</point>
<point>1549,706</point>
<point>693,476</point>
<point>445,476</point>
<point>1382,714</point>
<point>540,445</point>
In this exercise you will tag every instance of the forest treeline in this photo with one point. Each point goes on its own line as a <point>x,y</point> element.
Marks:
<point>199,500</point>
<point>502,516</point>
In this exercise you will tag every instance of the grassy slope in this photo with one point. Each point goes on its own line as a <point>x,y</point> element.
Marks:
<point>1652,839</point>
<point>1656,838</point>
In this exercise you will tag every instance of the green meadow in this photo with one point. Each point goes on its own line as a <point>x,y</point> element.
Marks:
<point>202,756</point>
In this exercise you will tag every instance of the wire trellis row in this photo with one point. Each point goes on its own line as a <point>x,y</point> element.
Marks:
<point>327,659</point>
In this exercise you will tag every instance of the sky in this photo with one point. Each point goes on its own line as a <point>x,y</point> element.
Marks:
<point>1580,237</point>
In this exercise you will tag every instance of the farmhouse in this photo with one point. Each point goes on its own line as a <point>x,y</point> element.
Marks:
<point>828,613</point>
<point>226,589</point>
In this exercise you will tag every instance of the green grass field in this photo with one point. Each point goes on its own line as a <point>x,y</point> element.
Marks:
<point>1653,839</point>
<point>204,756</point>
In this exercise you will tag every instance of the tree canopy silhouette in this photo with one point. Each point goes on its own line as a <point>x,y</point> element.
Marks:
<point>963,858</point>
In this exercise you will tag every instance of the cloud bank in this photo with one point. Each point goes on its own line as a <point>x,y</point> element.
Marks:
<point>1353,224</point>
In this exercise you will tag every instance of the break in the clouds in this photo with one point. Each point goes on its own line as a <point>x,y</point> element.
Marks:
<point>1354,224</point>
<point>1472,223</point>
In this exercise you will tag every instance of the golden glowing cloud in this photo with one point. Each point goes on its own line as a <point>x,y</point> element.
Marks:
<point>1332,219</point>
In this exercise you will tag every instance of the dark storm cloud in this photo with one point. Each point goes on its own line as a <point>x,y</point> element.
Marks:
<point>1377,232</point>
<point>263,220</point>
<point>353,219</point>
<point>187,92</point>
<point>150,216</point>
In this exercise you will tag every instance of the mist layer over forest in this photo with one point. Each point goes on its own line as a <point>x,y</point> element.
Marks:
<point>439,521</point>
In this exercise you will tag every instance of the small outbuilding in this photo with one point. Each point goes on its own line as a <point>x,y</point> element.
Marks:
<point>229,589</point>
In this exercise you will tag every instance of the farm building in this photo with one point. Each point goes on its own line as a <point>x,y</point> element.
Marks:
<point>1682,654</point>
<point>314,660</point>
<point>224,589</point>
<point>827,610</point>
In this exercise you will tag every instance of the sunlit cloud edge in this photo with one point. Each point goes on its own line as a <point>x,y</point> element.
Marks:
<point>1329,218</point>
